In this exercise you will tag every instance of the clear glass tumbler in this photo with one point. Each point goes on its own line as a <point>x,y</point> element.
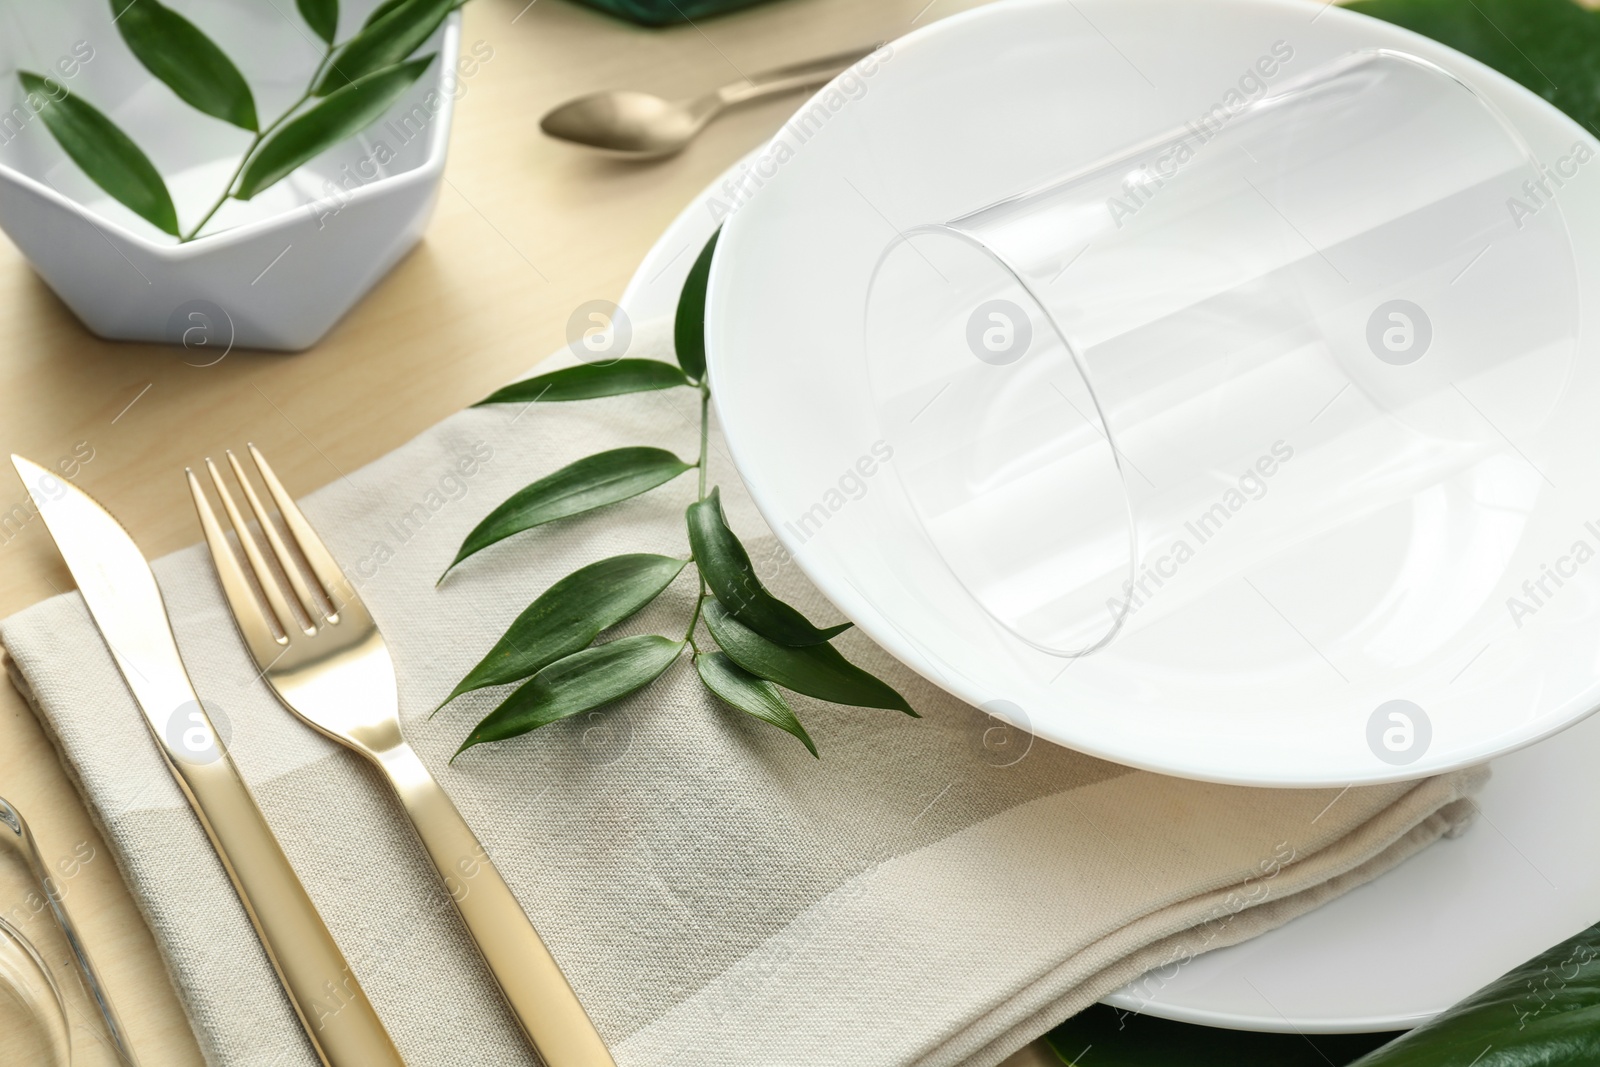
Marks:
<point>53,1009</point>
<point>1114,393</point>
<point>33,1010</point>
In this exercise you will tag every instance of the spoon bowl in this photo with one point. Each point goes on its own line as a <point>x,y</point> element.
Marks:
<point>641,125</point>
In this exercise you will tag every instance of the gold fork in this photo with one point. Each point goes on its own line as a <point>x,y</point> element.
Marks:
<point>321,652</point>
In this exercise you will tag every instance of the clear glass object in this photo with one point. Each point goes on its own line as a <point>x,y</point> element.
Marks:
<point>53,1010</point>
<point>33,1014</point>
<point>1113,394</point>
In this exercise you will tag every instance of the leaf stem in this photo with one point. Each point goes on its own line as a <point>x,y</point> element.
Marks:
<point>694,619</point>
<point>256,143</point>
<point>705,434</point>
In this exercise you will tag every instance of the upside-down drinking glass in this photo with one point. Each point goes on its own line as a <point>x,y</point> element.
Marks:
<point>1113,394</point>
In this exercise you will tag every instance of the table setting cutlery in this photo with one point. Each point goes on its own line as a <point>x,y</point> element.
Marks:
<point>740,1017</point>
<point>125,602</point>
<point>643,126</point>
<point>322,654</point>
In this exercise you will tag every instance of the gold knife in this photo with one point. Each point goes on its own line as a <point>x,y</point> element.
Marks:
<point>122,596</point>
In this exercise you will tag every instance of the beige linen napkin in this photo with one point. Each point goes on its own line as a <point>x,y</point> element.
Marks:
<point>716,896</point>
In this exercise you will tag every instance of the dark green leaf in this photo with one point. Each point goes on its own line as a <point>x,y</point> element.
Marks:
<point>581,682</point>
<point>386,41</point>
<point>816,670</point>
<point>745,691</point>
<point>190,63</point>
<point>569,615</point>
<point>380,11</point>
<point>588,381</point>
<point>727,570</point>
<point>590,483</point>
<point>103,152</point>
<point>1545,1012</point>
<point>689,328</point>
<point>322,16</point>
<point>346,112</point>
<point>1104,1036</point>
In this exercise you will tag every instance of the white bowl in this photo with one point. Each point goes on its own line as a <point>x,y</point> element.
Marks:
<point>278,270</point>
<point>1411,667</point>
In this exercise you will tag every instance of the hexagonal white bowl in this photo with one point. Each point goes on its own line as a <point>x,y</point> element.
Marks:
<point>277,271</point>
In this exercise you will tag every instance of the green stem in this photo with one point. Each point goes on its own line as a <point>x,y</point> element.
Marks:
<point>705,435</point>
<point>255,144</point>
<point>694,619</point>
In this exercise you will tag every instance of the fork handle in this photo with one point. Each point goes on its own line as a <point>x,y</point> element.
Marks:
<point>545,1006</point>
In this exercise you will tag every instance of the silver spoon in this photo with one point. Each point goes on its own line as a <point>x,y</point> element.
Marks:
<point>644,126</point>
<point>14,830</point>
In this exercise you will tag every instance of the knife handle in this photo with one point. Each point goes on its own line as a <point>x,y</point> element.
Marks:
<point>541,999</point>
<point>333,1008</point>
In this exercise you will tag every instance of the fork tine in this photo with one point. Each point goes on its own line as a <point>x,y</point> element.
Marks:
<point>287,619</point>
<point>315,603</point>
<point>265,645</point>
<point>339,589</point>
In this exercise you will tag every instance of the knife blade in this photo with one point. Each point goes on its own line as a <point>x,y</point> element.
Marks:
<point>125,602</point>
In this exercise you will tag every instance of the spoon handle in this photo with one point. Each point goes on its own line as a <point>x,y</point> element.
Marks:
<point>807,75</point>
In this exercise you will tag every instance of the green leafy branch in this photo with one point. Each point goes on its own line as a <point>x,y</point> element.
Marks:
<point>354,84</point>
<point>758,645</point>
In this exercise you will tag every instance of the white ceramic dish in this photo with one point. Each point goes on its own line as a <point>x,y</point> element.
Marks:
<point>1227,689</point>
<point>280,269</point>
<point>1392,953</point>
<point>1397,951</point>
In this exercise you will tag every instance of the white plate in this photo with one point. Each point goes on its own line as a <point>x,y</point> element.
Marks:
<point>994,101</point>
<point>1389,954</point>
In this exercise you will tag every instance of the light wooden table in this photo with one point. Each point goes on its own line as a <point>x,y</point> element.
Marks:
<point>526,230</point>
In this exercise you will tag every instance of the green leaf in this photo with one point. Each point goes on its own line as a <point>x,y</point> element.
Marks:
<point>1550,46</point>
<point>744,691</point>
<point>569,615</point>
<point>689,328</point>
<point>1103,1036</point>
<point>308,135</point>
<point>380,11</point>
<point>727,570</point>
<point>322,16</point>
<point>387,40</point>
<point>581,682</point>
<point>1545,1012</point>
<point>816,670</point>
<point>589,381</point>
<point>103,152</point>
<point>592,482</point>
<point>190,63</point>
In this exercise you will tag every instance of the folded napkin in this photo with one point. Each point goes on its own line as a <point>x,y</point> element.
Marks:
<point>715,894</point>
